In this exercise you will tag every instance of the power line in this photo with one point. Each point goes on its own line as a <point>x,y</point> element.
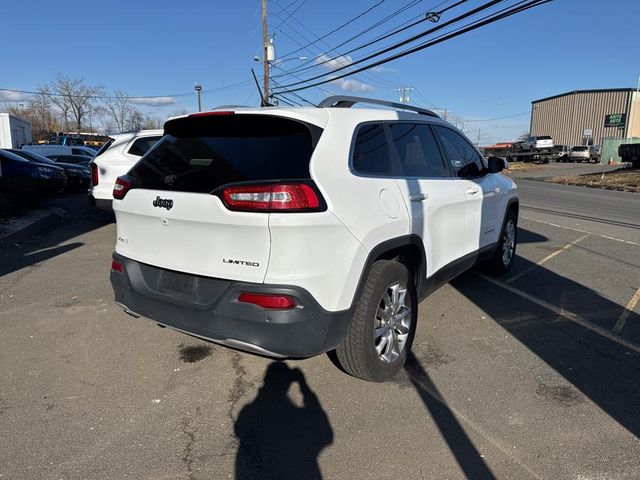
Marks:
<point>445,36</point>
<point>305,38</point>
<point>389,33</point>
<point>296,95</point>
<point>282,22</point>
<point>498,118</point>
<point>375,25</point>
<point>371,77</point>
<point>407,41</point>
<point>348,22</point>
<point>129,97</point>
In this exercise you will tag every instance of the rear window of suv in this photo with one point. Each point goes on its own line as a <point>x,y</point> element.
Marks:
<point>200,154</point>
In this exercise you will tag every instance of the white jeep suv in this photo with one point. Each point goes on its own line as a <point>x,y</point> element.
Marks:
<point>115,158</point>
<point>289,232</point>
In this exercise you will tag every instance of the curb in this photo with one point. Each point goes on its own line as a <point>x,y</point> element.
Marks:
<point>33,229</point>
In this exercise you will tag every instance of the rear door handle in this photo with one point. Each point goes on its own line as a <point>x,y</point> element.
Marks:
<point>418,197</point>
<point>472,190</point>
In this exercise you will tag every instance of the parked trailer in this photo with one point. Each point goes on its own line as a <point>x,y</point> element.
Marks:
<point>630,152</point>
<point>14,132</point>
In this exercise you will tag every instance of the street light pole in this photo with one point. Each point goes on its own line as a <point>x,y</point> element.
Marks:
<point>198,91</point>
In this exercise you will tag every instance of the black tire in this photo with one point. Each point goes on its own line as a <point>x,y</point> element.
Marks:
<point>357,353</point>
<point>497,264</point>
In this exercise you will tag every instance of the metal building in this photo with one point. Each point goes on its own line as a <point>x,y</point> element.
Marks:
<point>586,117</point>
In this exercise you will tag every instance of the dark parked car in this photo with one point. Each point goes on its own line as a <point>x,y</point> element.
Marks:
<point>12,165</point>
<point>78,176</point>
<point>61,174</point>
<point>75,159</point>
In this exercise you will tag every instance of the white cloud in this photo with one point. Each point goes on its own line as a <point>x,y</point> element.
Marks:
<point>153,101</point>
<point>383,69</point>
<point>7,96</point>
<point>346,84</point>
<point>331,63</point>
<point>350,85</point>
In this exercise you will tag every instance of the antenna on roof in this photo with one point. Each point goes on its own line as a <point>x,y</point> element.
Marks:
<point>263,101</point>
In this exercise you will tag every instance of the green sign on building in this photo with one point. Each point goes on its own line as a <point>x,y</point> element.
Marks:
<point>615,120</point>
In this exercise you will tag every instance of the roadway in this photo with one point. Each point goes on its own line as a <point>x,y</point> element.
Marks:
<point>532,375</point>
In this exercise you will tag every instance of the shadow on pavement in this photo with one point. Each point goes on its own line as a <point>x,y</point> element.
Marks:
<point>80,219</point>
<point>459,443</point>
<point>277,438</point>
<point>606,372</point>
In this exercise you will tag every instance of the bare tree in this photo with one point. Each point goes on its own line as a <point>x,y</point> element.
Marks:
<point>523,137</point>
<point>74,98</point>
<point>135,120</point>
<point>118,109</point>
<point>39,112</point>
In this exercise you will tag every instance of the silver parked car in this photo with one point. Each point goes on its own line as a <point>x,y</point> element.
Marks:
<point>580,153</point>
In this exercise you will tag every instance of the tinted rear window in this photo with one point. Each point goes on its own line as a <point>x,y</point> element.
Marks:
<point>579,149</point>
<point>544,137</point>
<point>200,154</point>
<point>142,145</point>
<point>370,152</point>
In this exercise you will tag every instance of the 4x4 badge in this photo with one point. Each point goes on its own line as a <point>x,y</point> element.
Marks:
<point>163,203</point>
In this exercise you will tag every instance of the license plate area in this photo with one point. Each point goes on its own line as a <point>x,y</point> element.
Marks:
<point>186,288</point>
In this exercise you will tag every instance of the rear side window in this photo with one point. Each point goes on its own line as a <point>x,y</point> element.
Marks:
<point>417,150</point>
<point>464,159</point>
<point>200,154</point>
<point>370,152</point>
<point>142,145</point>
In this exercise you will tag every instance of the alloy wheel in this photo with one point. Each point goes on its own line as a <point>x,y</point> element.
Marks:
<point>392,323</point>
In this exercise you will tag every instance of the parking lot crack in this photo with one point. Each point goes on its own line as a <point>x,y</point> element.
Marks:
<point>189,428</point>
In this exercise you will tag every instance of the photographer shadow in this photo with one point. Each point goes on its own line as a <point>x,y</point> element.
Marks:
<point>277,438</point>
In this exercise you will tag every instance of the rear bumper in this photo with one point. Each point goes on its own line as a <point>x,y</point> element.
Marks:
<point>100,204</point>
<point>208,308</point>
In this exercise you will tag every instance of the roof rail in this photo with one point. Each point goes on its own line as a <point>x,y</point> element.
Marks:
<point>346,101</point>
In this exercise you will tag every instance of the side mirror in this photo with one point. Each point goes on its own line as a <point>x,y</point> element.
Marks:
<point>497,164</point>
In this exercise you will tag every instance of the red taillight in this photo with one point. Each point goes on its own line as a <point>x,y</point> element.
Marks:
<point>94,174</point>
<point>122,186</point>
<point>116,266</point>
<point>211,114</point>
<point>278,197</point>
<point>271,302</point>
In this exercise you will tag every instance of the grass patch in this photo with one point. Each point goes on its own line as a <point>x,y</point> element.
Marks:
<point>524,167</point>
<point>624,180</point>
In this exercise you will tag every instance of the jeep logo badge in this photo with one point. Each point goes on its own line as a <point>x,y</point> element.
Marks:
<point>163,203</point>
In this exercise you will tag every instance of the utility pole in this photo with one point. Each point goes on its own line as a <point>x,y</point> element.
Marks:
<point>265,53</point>
<point>404,94</point>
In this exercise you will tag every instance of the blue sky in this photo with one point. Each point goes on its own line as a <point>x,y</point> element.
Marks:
<point>161,48</point>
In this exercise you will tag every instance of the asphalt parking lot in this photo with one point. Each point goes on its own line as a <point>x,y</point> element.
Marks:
<point>532,375</point>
